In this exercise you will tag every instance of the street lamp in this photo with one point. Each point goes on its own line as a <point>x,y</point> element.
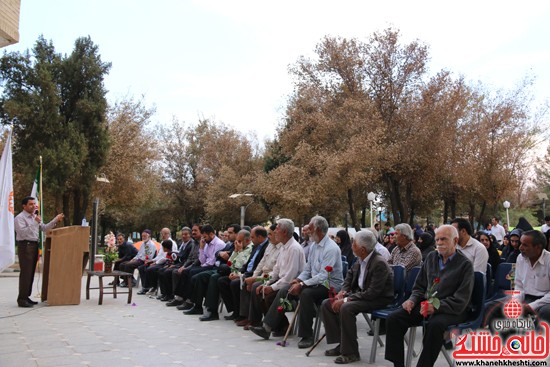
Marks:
<point>371,196</point>
<point>243,207</point>
<point>93,245</point>
<point>506,206</point>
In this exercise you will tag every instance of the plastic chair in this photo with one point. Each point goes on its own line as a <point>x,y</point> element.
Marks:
<point>398,298</point>
<point>489,281</point>
<point>501,284</point>
<point>377,315</point>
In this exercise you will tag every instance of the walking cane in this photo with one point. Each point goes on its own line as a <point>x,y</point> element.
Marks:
<point>283,343</point>
<point>314,345</point>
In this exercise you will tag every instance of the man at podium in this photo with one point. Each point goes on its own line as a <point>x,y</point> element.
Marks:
<point>27,224</point>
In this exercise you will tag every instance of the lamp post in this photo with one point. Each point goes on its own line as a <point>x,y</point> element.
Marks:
<point>506,206</point>
<point>243,207</point>
<point>371,196</point>
<point>93,245</point>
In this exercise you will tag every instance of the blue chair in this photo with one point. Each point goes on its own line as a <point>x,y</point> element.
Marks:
<point>474,320</point>
<point>489,275</point>
<point>398,298</point>
<point>377,315</point>
<point>501,284</point>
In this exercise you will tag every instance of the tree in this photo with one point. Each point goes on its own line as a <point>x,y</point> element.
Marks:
<point>57,106</point>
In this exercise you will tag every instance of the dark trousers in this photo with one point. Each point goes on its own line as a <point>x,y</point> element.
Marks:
<point>130,266</point>
<point>213,292</point>
<point>398,323</point>
<point>244,303</point>
<point>230,293</point>
<point>309,298</point>
<point>275,319</point>
<point>149,275</point>
<point>183,280</point>
<point>165,281</point>
<point>28,256</point>
<point>259,304</point>
<point>342,327</point>
<point>199,285</point>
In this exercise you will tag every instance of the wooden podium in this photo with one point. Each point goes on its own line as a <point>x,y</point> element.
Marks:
<point>65,252</point>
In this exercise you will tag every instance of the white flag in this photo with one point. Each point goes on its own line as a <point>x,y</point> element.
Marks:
<point>7,232</point>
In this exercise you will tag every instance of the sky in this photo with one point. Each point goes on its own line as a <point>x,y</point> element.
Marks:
<point>228,60</point>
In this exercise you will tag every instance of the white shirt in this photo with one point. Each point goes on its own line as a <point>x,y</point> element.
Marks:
<point>289,265</point>
<point>544,228</point>
<point>267,263</point>
<point>476,253</point>
<point>161,256</point>
<point>382,250</point>
<point>499,232</point>
<point>534,280</point>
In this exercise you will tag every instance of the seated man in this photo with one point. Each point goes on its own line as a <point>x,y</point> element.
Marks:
<point>230,286</point>
<point>368,286</point>
<point>149,271</point>
<point>451,274</point>
<point>239,257</point>
<point>313,284</point>
<point>532,279</point>
<point>290,264</point>
<point>147,251</point>
<point>126,252</point>
<point>263,271</point>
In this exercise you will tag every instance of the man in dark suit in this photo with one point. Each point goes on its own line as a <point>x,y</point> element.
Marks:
<point>368,286</point>
<point>447,272</point>
<point>230,286</point>
<point>126,251</point>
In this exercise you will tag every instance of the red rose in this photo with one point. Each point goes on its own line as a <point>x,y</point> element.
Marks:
<point>266,276</point>
<point>436,280</point>
<point>424,308</point>
<point>146,257</point>
<point>229,263</point>
<point>280,309</point>
<point>328,268</point>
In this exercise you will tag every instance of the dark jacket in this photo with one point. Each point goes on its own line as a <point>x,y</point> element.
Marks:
<point>378,282</point>
<point>126,252</point>
<point>455,287</point>
<point>256,260</point>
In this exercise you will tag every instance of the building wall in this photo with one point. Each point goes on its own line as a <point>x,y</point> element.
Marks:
<point>9,22</point>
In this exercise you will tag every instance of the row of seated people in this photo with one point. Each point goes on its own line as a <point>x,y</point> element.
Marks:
<point>262,269</point>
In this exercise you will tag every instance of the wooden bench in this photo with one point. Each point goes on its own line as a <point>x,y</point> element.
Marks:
<point>116,274</point>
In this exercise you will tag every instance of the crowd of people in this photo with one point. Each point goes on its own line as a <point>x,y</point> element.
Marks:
<point>261,273</point>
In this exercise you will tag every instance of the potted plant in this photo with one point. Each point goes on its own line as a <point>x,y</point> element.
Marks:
<point>111,252</point>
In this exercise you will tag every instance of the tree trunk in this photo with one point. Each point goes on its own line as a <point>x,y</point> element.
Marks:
<point>66,207</point>
<point>453,207</point>
<point>445,210</point>
<point>76,206</point>
<point>481,218</point>
<point>364,218</point>
<point>352,213</point>
<point>399,215</point>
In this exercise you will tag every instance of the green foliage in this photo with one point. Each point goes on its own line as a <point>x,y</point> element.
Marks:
<point>57,107</point>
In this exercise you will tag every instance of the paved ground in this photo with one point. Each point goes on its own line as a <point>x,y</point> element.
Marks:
<point>144,334</point>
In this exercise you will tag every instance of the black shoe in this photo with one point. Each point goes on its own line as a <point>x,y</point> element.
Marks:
<point>209,316</point>
<point>31,301</point>
<point>306,342</point>
<point>193,311</point>
<point>260,331</point>
<point>186,306</point>
<point>164,298</point>
<point>123,285</point>
<point>143,291</point>
<point>230,317</point>
<point>24,303</point>
<point>174,302</point>
<point>334,352</point>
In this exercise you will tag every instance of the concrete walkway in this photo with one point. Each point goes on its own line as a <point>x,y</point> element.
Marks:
<point>146,333</point>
